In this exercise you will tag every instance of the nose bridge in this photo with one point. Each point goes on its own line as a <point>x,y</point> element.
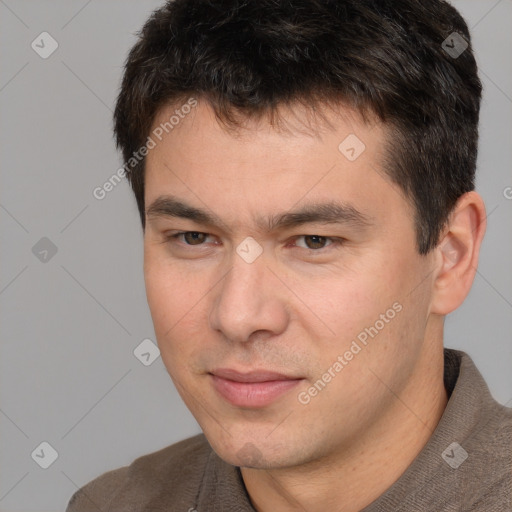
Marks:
<point>246,302</point>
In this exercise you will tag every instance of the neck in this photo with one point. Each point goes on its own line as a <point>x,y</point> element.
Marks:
<point>352,478</point>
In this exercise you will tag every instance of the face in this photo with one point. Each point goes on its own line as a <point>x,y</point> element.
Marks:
<point>283,280</point>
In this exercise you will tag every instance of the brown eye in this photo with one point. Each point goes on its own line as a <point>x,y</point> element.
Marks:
<point>194,237</point>
<point>315,241</point>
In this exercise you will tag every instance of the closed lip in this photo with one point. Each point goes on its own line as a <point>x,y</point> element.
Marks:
<point>252,376</point>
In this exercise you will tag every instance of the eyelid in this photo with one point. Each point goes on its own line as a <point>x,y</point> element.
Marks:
<point>335,241</point>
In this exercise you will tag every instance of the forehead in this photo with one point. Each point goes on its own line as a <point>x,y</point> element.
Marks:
<point>238,173</point>
<point>197,117</point>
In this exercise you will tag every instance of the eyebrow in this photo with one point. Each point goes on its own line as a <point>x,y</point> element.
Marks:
<point>322,213</point>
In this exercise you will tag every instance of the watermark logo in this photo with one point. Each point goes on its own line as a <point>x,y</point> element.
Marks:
<point>44,45</point>
<point>146,352</point>
<point>249,250</point>
<point>44,250</point>
<point>454,45</point>
<point>454,455</point>
<point>351,147</point>
<point>250,456</point>
<point>44,455</point>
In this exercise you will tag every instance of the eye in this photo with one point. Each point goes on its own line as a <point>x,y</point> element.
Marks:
<point>189,237</point>
<point>315,242</point>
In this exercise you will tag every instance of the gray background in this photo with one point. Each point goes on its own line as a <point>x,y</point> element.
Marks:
<point>69,324</point>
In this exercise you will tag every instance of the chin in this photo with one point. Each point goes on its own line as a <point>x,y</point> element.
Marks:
<point>251,452</point>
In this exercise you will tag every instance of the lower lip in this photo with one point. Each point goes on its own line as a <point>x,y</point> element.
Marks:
<point>252,394</point>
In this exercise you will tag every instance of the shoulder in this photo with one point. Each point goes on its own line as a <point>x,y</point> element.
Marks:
<point>485,481</point>
<point>172,474</point>
<point>489,486</point>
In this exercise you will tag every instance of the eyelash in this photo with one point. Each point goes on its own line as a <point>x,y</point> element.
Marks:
<point>334,240</point>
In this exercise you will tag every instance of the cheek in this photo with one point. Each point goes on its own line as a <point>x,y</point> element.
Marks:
<point>370,305</point>
<point>177,303</point>
<point>349,304</point>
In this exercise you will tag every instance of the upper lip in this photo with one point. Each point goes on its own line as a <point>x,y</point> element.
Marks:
<point>252,376</point>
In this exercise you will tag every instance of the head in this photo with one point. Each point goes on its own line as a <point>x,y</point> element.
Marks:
<point>318,159</point>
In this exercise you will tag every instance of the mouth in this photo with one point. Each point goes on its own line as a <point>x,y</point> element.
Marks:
<point>253,389</point>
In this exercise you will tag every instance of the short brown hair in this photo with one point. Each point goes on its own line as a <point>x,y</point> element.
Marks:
<point>381,56</point>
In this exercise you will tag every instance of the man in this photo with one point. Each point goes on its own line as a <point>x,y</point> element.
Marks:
<point>304,173</point>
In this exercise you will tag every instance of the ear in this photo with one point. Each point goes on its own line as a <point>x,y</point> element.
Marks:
<point>457,253</point>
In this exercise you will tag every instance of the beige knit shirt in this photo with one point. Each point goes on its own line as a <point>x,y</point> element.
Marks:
<point>475,474</point>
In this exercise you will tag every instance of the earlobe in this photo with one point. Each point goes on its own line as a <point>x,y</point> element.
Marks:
<point>457,253</point>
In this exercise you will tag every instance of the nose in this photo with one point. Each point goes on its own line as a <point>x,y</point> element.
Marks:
<point>250,300</point>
